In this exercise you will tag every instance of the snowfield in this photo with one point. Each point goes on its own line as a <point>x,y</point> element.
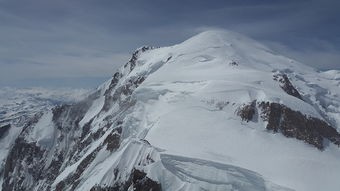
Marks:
<point>173,114</point>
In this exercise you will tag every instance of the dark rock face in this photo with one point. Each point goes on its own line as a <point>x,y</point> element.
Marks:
<point>138,181</point>
<point>141,182</point>
<point>53,169</point>
<point>233,63</point>
<point>112,141</point>
<point>290,123</point>
<point>286,85</point>
<point>73,113</point>
<point>131,64</point>
<point>27,162</point>
<point>4,129</point>
<point>108,188</point>
<point>134,58</point>
<point>297,125</point>
<point>73,179</point>
<point>13,165</point>
<point>247,112</point>
<point>125,89</point>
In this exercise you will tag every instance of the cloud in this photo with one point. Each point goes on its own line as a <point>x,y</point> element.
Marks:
<point>66,39</point>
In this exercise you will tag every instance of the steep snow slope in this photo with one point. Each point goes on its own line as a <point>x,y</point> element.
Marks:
<point>216,112</point>
<point>18,105</point>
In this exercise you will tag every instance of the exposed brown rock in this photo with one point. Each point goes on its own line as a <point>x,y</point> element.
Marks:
<point>297,125</point>
<point>286,85</point>
<point>247,112</point>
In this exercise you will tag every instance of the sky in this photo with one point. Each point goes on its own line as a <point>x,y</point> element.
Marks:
<point>80,43</point>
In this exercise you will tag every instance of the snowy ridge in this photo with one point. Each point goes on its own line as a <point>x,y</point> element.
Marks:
<point>192,116</point>
<point>18,105</point>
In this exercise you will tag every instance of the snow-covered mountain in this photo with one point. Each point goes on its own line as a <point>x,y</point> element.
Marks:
<point>216,112</point>
<point>19,105</point>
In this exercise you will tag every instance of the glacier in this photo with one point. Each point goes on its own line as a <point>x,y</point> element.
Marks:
<point>192,116</point>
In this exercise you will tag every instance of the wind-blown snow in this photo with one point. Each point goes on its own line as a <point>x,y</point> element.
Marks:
<point>43,133</point>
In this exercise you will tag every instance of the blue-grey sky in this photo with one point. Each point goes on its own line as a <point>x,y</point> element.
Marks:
<point>81,42</point>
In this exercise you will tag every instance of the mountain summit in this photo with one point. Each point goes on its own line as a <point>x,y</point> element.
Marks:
<point>219,111</point>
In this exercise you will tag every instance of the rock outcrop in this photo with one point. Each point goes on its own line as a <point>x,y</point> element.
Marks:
<point>286,85</point>
<point>4,129</point>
